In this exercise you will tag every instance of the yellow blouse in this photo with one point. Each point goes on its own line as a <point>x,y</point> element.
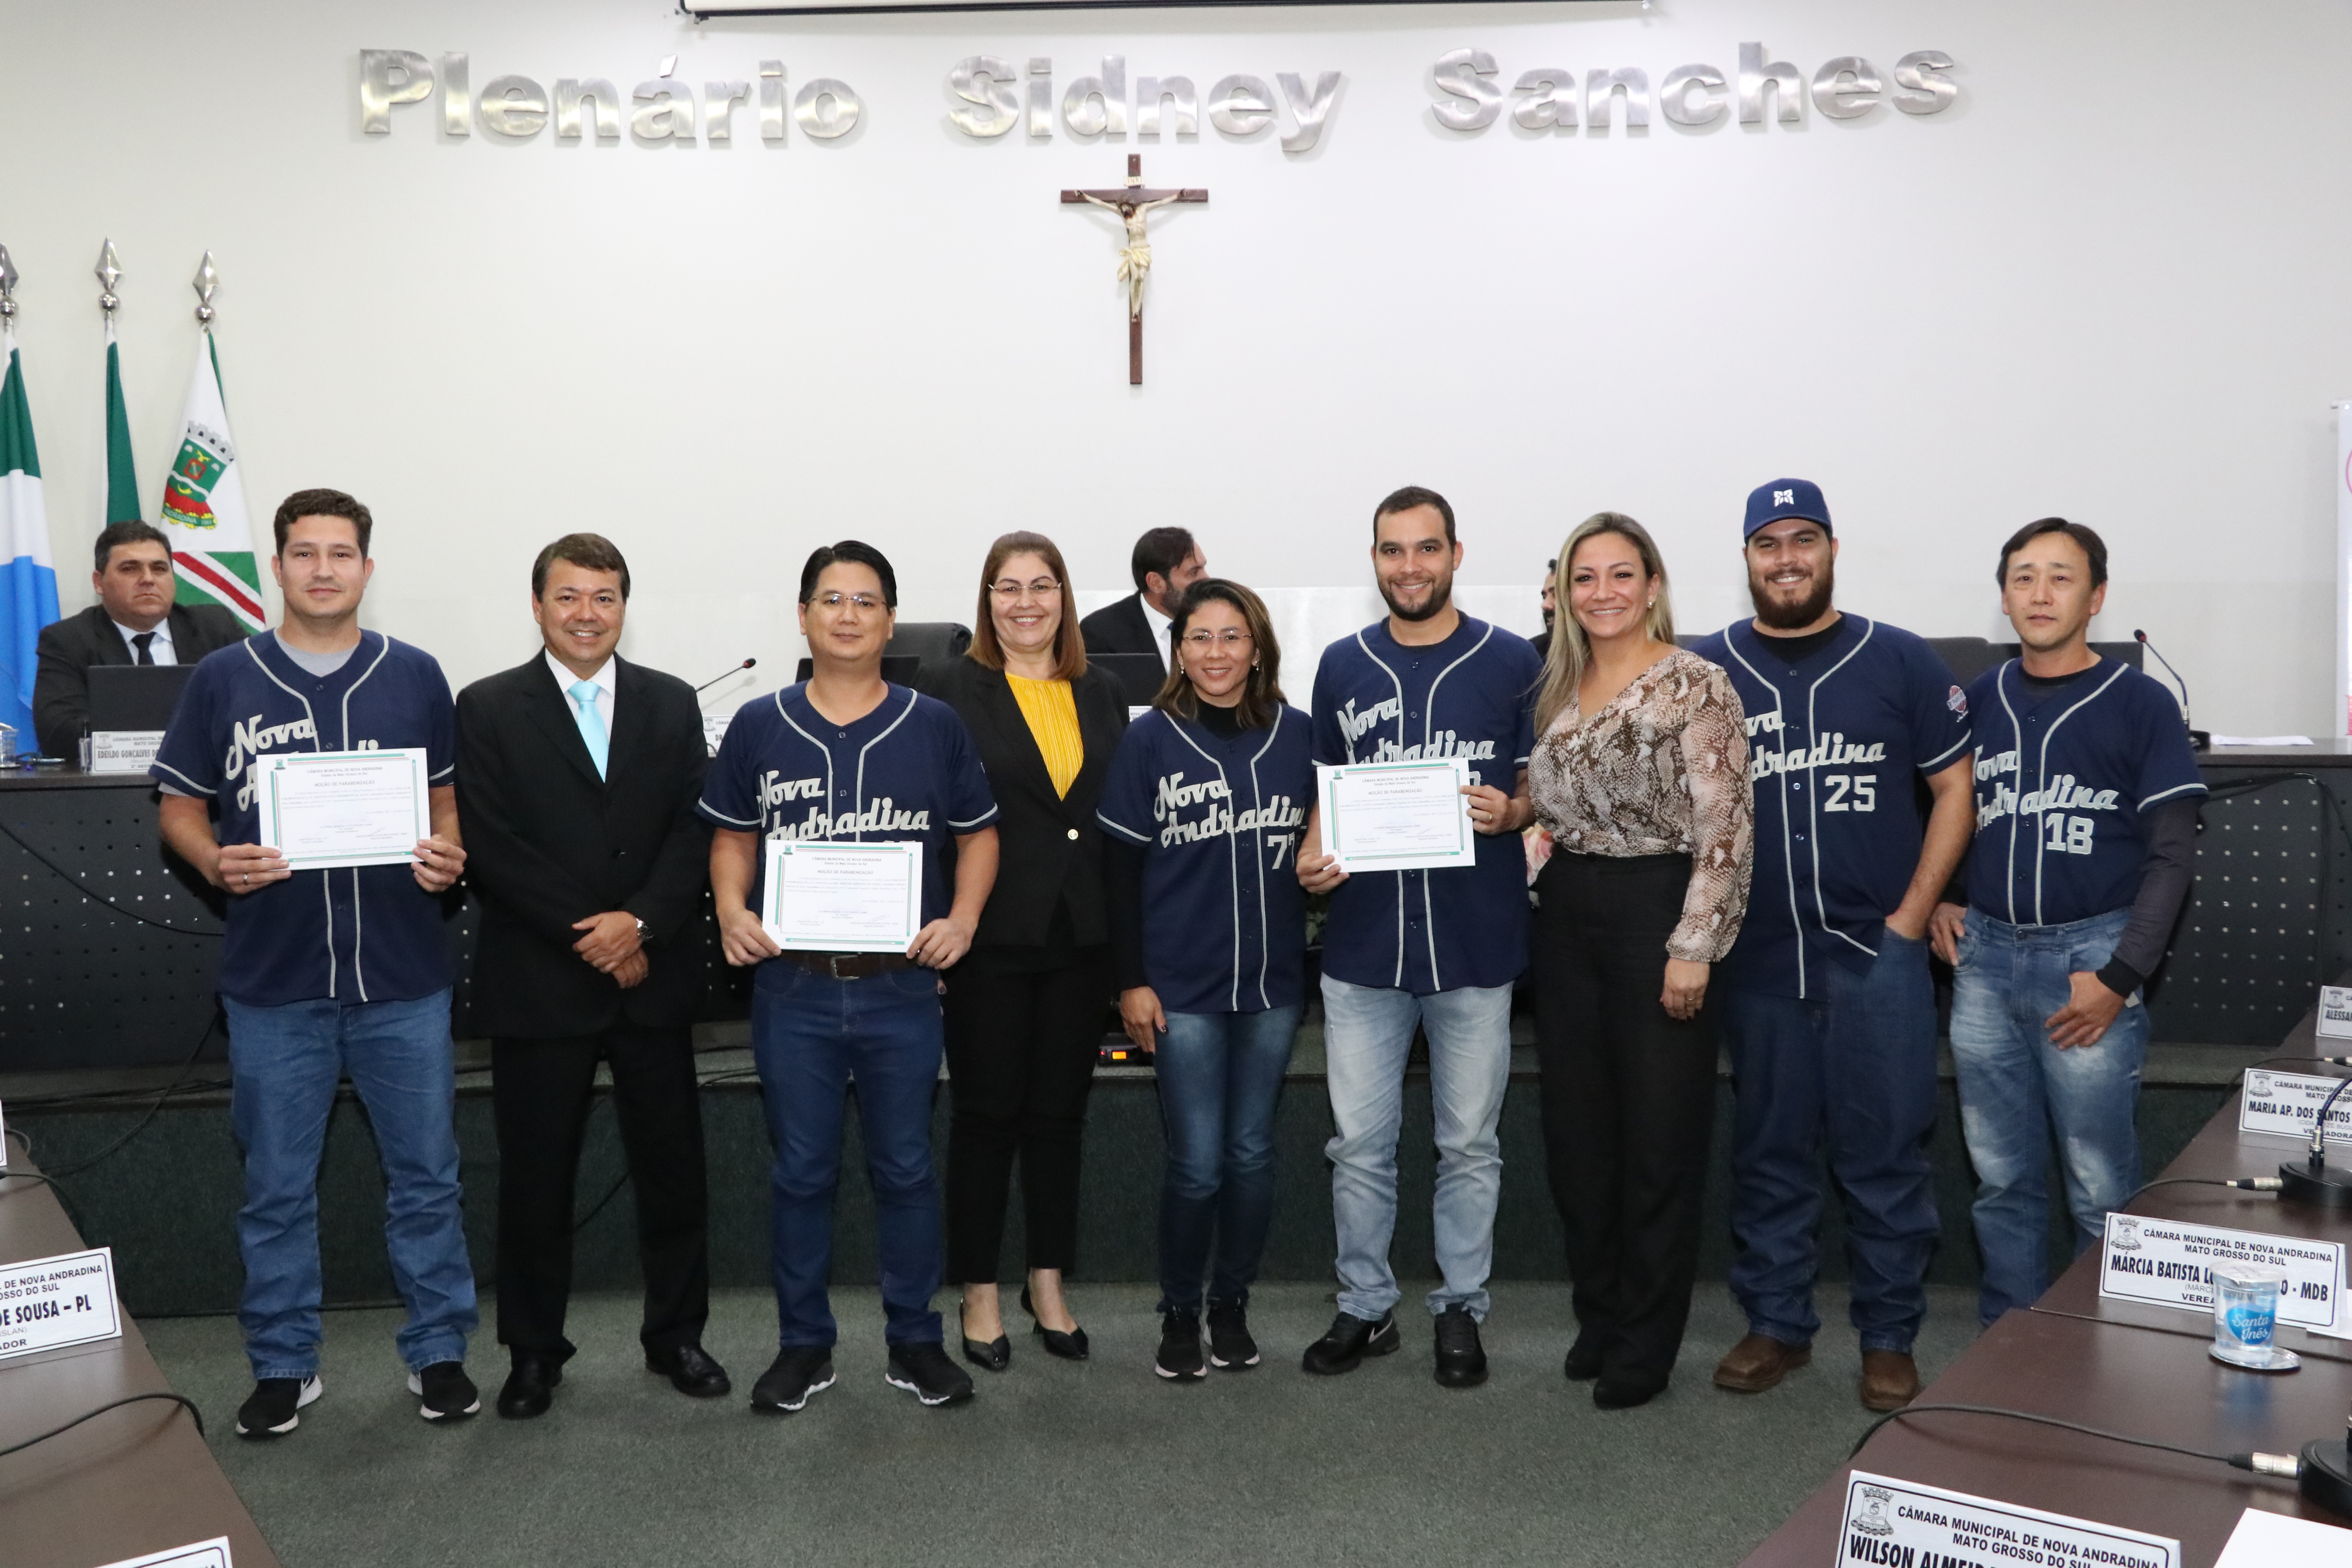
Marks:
<point>1053,715</point>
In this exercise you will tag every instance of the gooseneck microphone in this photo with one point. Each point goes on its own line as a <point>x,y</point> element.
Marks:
<point>717,678</point>
<point>2312,1180</point>
<point>2198,740</point>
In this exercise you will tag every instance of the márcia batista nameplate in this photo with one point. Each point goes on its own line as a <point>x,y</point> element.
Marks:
<point>1909,1524</point>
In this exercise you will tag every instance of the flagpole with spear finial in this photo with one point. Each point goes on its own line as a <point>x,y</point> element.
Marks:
<point>8,289</point>
<point>121,475</point>
<point>207,282</point>
<point>109,273</point>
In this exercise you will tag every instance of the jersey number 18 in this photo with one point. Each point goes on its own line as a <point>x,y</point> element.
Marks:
<point>2068,835</point>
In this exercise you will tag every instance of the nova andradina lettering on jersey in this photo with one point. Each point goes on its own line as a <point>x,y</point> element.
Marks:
<point>1440,743</point>
<point>249,738</point>
<point>2062,794</point>
<point>880,815</point>
<point>1281,816</point>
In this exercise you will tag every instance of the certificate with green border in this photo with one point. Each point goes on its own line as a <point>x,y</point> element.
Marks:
<point>325,810</point>
<point>1396,817</point>
<point>826,897</point>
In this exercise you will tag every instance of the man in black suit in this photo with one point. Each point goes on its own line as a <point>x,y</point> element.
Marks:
<point>133,622</point>
<point>1166,562</point>
<point>1542,639</point>
<point>577,776</point>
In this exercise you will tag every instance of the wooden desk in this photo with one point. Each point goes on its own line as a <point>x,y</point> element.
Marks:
<point>131,1482</point>
<point>2106,1374</point>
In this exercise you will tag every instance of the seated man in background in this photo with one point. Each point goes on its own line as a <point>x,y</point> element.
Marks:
<point>133,622</point>
<point>1166,562</point>
<point>2087,794</point>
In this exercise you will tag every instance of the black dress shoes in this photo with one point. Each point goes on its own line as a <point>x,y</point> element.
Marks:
<point>1623,1391</point>
<point>1583,1363</point>
<point>1071,1346</point>
<point>690,1371</point>
<point>993,1355</point>
<point>530,1387</point>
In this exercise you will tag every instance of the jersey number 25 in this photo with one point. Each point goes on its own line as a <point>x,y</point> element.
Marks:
<point>1864,788</point>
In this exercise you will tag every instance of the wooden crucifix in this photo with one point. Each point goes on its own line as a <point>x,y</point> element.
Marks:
<point>1132,202</point>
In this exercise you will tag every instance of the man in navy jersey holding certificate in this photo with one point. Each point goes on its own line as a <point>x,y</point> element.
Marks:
<point>329,973</point>
<point>1436,949</point>
<point>2086,796</point>
<point>847,758</point>
<point>1828,1010</point>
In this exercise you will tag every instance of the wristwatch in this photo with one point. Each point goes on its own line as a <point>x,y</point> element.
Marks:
<point>642,929</point>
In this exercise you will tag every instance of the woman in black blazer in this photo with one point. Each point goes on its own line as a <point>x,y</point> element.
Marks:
<point>1027,1006</point>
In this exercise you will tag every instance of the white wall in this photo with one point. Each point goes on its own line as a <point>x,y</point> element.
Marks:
<point>2109,283</point>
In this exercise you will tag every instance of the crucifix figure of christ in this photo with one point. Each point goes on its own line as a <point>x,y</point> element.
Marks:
<point>1132,202</point>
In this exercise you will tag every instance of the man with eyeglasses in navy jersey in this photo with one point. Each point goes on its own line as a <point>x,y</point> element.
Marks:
<point>1438,950</point>
<point>2087,794</point>
<point>846,756</point>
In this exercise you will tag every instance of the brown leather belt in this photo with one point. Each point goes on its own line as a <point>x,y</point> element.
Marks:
<point>847,965</point>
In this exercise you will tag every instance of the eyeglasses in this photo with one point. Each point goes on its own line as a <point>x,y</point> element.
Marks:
<point>1044,587</point>
<point>859,600</point>
<point>1203,641</point>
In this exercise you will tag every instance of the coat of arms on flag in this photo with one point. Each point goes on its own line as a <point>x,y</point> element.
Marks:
<point>204,457</point>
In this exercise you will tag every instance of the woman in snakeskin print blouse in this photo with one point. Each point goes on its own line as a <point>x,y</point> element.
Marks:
<point>1640,775</point>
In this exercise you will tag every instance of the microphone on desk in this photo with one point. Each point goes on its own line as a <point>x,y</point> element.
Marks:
<point>737,671</point>
<point>2198,740</point>
<point>2312,1180</point>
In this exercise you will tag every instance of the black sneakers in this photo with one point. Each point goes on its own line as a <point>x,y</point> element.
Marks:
<point>798,1371</point>
<point>444,1392</point>
<point>1349,1341</point>
<point>1461,1359</point>
<point>925,1371</point>
<point>1179,1360</point>
<point>270,1413</point>
<point>1231,1349</point>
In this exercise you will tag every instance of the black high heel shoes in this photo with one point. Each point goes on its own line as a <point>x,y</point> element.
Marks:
<point>1071,1346</point>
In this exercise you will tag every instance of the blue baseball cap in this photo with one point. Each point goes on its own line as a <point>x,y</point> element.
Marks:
<point>1769,503</point>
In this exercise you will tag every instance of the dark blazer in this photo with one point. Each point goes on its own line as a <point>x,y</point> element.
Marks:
<point>1121,627</point>
<point>1050,846</point>
<point>68,648</point>
<point>547,843</point>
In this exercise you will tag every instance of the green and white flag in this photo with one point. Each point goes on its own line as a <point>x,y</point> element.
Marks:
<point>204,512</point>
<point>121,473</point>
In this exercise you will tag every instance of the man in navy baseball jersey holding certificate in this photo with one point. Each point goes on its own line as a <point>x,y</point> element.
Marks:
<point>1829,1013</point>
<point>2087,797</point>
<point>329,973</point>
<point>1437,948</point>
<point>846,758</point>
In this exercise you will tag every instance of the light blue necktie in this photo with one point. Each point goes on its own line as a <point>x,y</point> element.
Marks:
<point>592,723</point>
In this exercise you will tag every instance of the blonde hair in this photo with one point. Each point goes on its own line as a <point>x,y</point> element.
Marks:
<point>1570,651</point>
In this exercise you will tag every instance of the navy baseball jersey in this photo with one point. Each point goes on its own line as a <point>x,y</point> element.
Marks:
<point>1833,740</point>
<point>1472,696</point>
<point>359,933</point>
<point>904,773</point>
<point>2063,774</point>
<point>1224,920</point>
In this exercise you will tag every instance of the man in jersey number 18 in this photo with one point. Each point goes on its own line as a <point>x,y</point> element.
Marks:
<point>2087,794</point>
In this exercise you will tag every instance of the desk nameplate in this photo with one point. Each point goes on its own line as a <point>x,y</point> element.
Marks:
<point>49,1303</point>
<point>2170,1263</point>
<point>1915,1525</point>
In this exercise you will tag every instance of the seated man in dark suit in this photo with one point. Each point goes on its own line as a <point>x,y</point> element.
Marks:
<point>1166,562</point>
<point>133,622</point>
<point>577,777</point>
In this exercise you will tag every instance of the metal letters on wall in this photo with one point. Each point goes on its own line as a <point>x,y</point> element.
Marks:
<point>992,95</point>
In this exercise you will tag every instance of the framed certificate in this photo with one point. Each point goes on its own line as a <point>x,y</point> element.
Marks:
<point>327,809</point>
<point>1397,817</point>
<point>823,897</point>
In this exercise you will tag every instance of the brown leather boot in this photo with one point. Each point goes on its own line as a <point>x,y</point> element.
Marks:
<point>1758,1363</point>
<point>1890,1380</point>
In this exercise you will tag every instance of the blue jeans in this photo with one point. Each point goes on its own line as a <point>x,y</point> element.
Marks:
<point>810,1033</point>
<point>284,1066</point>
<point>1850,1073</point>
<point>1366,1035</point>
<point>2015,1087</point>
<point>1220,1075</point>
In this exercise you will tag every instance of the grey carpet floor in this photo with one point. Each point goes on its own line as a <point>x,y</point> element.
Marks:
<point>1054,1463</point>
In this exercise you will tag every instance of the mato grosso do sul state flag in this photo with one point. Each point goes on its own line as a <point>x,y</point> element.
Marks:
<point>204,512</point>
<point>28,580</point>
